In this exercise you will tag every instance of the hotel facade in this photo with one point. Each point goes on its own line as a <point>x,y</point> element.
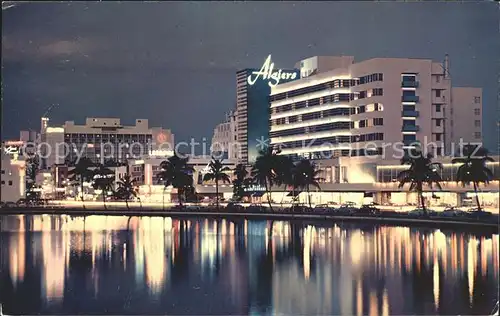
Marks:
<point>252,106</point>
<point>345,109</point>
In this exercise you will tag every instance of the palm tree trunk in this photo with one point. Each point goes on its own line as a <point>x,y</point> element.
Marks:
<point>309,196</point>
<point>81,189</point>
<point>126,203</point>
<point>163,204</point>
<point>179,196</point>
<point>104,199</point>
<point>477,197</point>
<point>217,193</point>
<point>268,195</point>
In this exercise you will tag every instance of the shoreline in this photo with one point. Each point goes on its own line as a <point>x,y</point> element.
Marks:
<point>433,222</point>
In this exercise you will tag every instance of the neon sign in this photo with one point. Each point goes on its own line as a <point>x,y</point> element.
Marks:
<point>267,73</point>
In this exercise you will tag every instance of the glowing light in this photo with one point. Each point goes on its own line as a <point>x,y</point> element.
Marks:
<point>55,130</point>
<point>314,122</point>
<point>436,284</point>
<point>266,71</point>
<point>325,106</point>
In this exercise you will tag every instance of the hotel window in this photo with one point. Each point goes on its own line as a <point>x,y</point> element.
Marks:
<point>438,137</point>
<point>439,151</point>
<point>3,182</point>
<point>409,78</point>
<point>477,135</point>
<point>10,182</point>
<point>409,138</point>
<point>477,123</point>
<point>378,121</point>
<point>438,93</point>
<point>408,107</point>
<point>477,99</point>
<point>438,107</point>
<point>438,78</point>
<point>477,111</point>
<point>438,122</point>
<point>378,91</point>
<point>408,122</point>
<point>361,109</point>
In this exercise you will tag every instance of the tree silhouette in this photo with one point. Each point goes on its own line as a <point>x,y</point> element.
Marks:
<point>421,171</point>
<point>217,172</point>
<point>81,173</point>
<point>473,169</point>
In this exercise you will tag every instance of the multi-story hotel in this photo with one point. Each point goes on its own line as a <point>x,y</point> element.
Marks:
<point>252,106</point>
<point>392,103</point>
<point>104,138</point>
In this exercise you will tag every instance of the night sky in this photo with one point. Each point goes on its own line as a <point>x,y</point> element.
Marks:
<point>174,63</point>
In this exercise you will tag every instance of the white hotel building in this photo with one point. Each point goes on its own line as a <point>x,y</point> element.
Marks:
<point>339,106</point>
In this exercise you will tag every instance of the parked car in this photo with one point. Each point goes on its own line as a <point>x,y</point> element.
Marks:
<point>9,204</point>
<point>420,212</point>
<point>322,208</point>
<point>233,206</point>
<point>452,212</point>
<point>366,210</point>
<point>479,214</point>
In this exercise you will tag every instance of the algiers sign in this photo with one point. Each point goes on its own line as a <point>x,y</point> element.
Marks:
<point>266,72</point>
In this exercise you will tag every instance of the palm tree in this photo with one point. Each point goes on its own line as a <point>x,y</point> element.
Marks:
<point>473,169</point>
<point>81,173</point>
<point>104,179</point>
<point>264,170</point>
<point>126,188</point>
<point>218,172</point>
<point>305,175</point>
<point>175,172</point>
<point>240,172</point>
<point>422,171</point>
<point>284,172</point>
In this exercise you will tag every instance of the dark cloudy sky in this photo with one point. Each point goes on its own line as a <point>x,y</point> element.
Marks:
<point>174,63</point>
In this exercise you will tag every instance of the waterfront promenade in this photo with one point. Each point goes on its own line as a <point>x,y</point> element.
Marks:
<point>490,223</point>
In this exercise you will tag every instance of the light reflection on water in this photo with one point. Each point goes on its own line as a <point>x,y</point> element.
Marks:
<point>140,265</point>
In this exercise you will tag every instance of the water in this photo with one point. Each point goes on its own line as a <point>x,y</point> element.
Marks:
<point>154,265</point>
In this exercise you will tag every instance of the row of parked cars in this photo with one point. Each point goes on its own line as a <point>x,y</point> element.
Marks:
<point>452,213</point>
<point>24,203</point>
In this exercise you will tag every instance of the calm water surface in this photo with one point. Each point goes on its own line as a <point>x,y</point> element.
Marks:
<point>155,265</point>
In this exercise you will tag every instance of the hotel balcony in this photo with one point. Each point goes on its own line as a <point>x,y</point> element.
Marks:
<point>409,84</point>
<point>410,98</point>
<point>409,113</point>
<point>410,128</point>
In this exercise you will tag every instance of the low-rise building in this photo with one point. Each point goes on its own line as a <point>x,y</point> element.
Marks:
<point>13,178</point>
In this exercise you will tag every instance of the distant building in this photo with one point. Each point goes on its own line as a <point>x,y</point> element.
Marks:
<point>13,178</point>
<point>104,138</point>
<point>224,139</point>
